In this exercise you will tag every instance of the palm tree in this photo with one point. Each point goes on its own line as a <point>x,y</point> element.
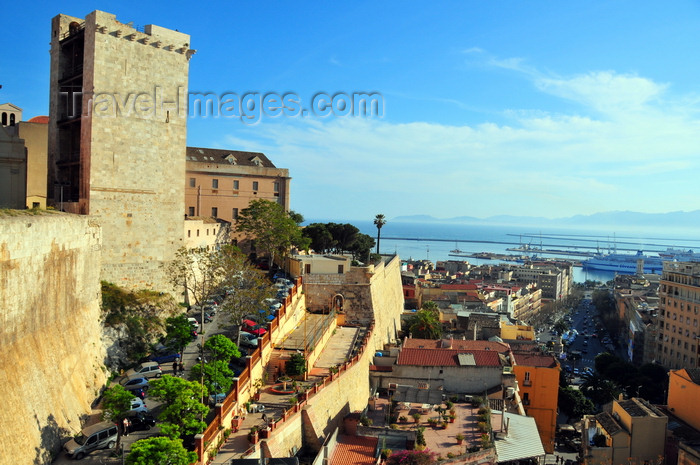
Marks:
<point>379,221</point>
<point>425,324</point>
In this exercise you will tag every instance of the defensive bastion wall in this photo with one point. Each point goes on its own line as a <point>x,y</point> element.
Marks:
<point>52,356</point>
<point>370,293</point>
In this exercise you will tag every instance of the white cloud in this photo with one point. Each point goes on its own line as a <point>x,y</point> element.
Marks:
<point>606,91</point>
<point>540,164</point>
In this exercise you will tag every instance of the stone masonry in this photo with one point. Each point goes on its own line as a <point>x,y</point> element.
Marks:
<point>123,143</point>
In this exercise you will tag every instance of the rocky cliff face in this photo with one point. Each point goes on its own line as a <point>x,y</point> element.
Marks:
<point>51,368</point>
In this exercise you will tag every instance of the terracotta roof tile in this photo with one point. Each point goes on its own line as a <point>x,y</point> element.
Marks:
<point>354,450</point>
<point>446,357</point>
<point>458,287</point>
<point>535,360</point>
<point>39,119</point>
<point>457,344</point>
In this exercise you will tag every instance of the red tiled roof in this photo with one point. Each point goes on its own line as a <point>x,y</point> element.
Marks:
<point>446,357</point>
<point>352,450</point>
<point>535,360</point>
<point>457,344</point>
<point>39,119</point>
<point>458,287</point>
<point>379,368</point>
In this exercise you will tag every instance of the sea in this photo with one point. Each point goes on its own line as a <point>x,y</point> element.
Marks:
<point>435,240</point>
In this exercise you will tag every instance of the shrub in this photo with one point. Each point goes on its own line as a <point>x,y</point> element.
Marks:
<point>412,457</point>
<point>403,419</point>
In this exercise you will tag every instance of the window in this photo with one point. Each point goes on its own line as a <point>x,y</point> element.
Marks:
<point>276,187</point>
<point>214,213</point>
<point>234,214</point>
<point>340,269</point>
<point>526,398</point>
<point>214,183</point>
<point>4,119</point>
<point>307,268</point>
<point>189,233</point>
<point>190,211</point>
<point>198,233</point>
<point>12,119</point>
<point>193,182</point>
<point>235,185</point>
<point>255,185</point>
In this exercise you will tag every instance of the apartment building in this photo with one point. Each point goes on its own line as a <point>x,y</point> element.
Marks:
<point>679,315</point>
<point>222,183</point>
<point>633,433</point>
<point>538,384</point>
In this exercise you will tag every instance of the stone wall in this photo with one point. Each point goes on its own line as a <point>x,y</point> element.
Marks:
<point>324,410</point>
<point>369,293</point>
<point>133,132</point>
<point>51,368</point>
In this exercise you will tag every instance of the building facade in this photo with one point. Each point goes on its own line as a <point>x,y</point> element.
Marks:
<point>634,432</point>
<point>538,384</point>
<point>679,315</point>
<point>222,183</point>
<point>117,138</point>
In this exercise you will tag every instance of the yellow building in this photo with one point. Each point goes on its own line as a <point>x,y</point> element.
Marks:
<point>633,433</point>
<point>683,392</point>
<point>510,331</point>
<point>538,382</point>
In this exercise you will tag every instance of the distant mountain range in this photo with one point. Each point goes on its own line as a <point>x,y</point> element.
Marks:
<point>678,219</point>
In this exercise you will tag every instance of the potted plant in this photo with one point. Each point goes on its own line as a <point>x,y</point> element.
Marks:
<point>416,417</point>
<point>403,419</point>
<point>432,421</point>
<point>257,385</point>
<point>449,404</point>
<point>444,425</point>
<point>253,435</point>
<point>459,438</point>
<point>452,417</point>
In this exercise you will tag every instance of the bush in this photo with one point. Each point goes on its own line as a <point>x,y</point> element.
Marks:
<point>296,365</point>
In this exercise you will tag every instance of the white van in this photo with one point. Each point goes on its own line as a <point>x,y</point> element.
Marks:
<point>100,436</point>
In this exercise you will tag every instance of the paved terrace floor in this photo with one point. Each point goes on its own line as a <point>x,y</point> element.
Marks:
<point>441,441</point>
<point>337,351</point>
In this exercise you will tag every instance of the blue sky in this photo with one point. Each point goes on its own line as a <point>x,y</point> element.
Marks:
<point>538,108</point>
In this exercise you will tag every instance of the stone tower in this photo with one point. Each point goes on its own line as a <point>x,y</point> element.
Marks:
<point>117,139</point>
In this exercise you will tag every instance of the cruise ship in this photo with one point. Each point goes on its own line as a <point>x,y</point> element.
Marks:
<point>624,263</point>
<point>627,263</point>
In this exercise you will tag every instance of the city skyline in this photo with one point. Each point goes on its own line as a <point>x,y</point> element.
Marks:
<point>542,109</point>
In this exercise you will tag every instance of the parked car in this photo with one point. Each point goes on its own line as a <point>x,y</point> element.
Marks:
<point>141,421</point>
<point>131,384</point>
<point>138,405</point>
<point>165,356</point>
<point>146,370</point>
<point>252,327</point>
<point>248,340</point>
<point>100,436</point>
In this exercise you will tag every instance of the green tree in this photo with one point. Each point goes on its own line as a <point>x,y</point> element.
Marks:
<point>379,222</point>
<point>160,450</point>
<point>573,403</point>
<point>296,365</point>
<point>221,348</point>
<point>362,247</point>
<point>182,411</point>
<point>599,389</point>
<point>216,376</point>
<point>178,332</point>
<point>425,324</point>
<point>116,402</point>
<point>320,238</point>
<point>272,228</point>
